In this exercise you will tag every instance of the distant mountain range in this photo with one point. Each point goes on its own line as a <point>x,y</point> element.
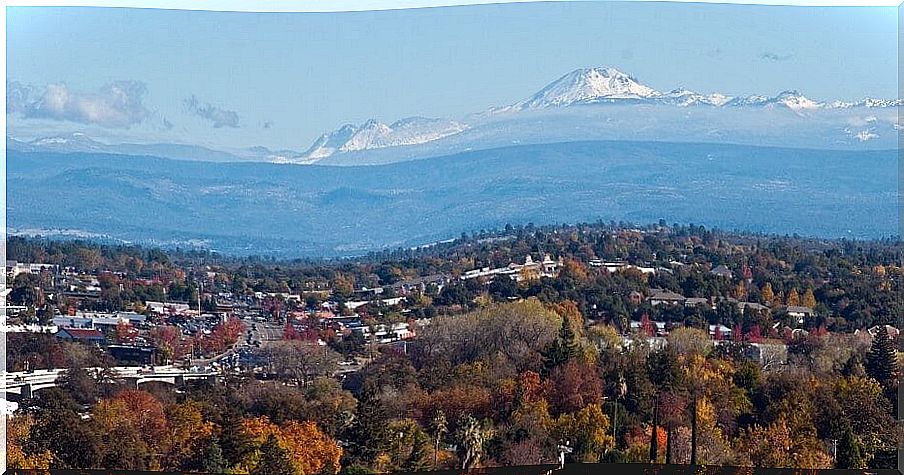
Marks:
<point>585,104</point>
<point>292,211</point>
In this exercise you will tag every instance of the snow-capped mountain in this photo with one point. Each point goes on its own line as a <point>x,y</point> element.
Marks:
<point>587,86</point>
<point>375,135</point>
<point>684,97</point>
<point>611,86</point>
<point>587,103</point>
<point>75,141</point>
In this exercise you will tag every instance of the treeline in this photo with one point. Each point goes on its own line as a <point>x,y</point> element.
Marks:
<point>504,384</point>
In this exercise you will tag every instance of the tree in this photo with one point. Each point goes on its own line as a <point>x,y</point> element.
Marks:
<point>274,460</point>
<point>301,361</point>
<point>573,386</point>
<point>410,447</point>
<point>187,435</point>
<point>368,433</point>
<point>213,460</point>
<point>809,300</point>
<point>768,296</point>
<point>588,432</point>
<point>850,451</point>
<point>439,427</point>
<point>793,298</point>
<point>311,450</point>
<point>471,437</point>
<point>563,348</point>
<point>881,361</point>
<point>18,443</point>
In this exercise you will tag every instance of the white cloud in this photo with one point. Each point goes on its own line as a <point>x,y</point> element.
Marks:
<point>119,104</point>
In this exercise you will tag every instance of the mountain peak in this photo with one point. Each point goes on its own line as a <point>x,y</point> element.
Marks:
<point>588,85</point>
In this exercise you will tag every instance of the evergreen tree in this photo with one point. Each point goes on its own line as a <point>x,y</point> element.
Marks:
<point>213,461</point>
<point>274,460</point>
<point>564,347</point>
<point>368,433</point>
<point>881,362</point>
<point>850,452</point>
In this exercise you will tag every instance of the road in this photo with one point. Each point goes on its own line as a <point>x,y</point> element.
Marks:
<point>265,332</point>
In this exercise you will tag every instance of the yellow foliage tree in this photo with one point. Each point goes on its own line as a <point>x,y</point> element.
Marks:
<point>809,300</point>
<point>793,298</point>
<point>18,432</point>
<point>311,450</point>
<point>588,430</point>
<point>767,294</point>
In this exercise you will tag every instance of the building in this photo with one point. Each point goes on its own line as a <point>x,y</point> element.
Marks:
<point>722,271</point>
<point>756,307</point>
<point>133,355</point>
<point>665,297</point>
<point>719,332</point>
<point>694,302</point>
<point>797,313</point>
<point>892,331</point>
<point>14,268</point>
<point>421,283</point>
<point>518,272</point>
<point>82,335</point>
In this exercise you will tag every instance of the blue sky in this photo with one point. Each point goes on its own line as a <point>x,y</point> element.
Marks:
<point>281,79</point>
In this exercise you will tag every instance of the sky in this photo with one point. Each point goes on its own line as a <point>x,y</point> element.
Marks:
<point>239,79</point>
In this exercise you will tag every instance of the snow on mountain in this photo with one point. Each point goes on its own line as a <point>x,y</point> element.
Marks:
<point>868,103</point>
<point>684,98</point>
<point>374,134</point>
<point>75,141</point>
<point>587,86</point>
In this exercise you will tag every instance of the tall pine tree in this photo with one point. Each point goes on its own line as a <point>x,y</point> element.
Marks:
<point>563,348</point>
<point>214,461</point>
<point>368,433</point>
<point>882,360</point>
<point>850,452</point>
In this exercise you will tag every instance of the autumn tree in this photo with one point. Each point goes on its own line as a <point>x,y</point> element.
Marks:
<point>20,452</point>
<point>588,432</point>
<point>274,459</point>
<point>767,295</point>
<point>793,298</point>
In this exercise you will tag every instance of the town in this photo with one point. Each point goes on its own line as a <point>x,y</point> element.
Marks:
<point>602,322</point>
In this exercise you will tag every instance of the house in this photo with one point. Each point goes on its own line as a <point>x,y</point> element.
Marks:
<point>797,312</point>
<point>693,302</point>
<point>82,335</point>
<point>722,271</point>
<point>719,332</point>
<point>660,328</point>
<point>14,268</point>
<point>767,355</point>
<point>665,297</point>
<point>421,283</point>
<point>518,272</point>
<point>756,307</point>
<point>892,331</point>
